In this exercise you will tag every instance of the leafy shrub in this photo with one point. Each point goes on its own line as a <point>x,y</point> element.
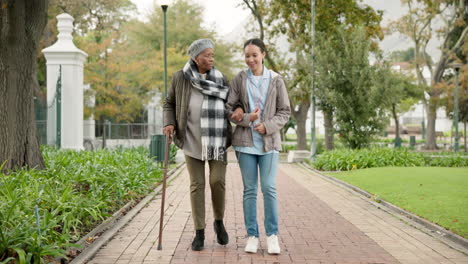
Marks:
<point>338,160</point>
<point>447,161</point>
<point>289,147</point>
<point>346,159</point>
<point>320,145</point>
<point>42,212</point>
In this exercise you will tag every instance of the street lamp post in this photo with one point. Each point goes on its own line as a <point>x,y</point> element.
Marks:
<point>457,67</point>
<point>313,148</point>
<point>164,6</point>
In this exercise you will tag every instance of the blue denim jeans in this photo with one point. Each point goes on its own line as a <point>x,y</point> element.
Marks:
<point>250,164</point>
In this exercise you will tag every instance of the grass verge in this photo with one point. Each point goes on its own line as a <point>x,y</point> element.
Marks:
<point>434,193</point>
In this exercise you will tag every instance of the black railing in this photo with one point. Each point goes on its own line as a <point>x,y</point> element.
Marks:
<point>123,130</point>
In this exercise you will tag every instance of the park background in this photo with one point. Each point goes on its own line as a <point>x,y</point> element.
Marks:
<point>384,84</point>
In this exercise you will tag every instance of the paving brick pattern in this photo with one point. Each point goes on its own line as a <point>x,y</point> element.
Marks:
<point>137,241</point>
<point>319,223</point>
<point>310,231</point>
<point>406,243</point>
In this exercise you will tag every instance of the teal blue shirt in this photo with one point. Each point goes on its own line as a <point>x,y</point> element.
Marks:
<point>257,89</point>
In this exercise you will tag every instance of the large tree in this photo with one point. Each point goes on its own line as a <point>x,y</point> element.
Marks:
<point>293,19</point>
<point>344,71</point>
<point>21,25</point>
<point>181,16</point>
<point>400,91</point>
<point>127,66</point>
<point>125,58</point>
<point>123,71</point>
<point>448,99</point>
<point>259,10</point>
<point>418,25</point>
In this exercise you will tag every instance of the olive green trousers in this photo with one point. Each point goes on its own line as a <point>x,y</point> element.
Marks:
<point>217,177</point>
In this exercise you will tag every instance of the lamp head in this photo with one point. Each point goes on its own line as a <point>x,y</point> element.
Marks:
<point>164,3</point>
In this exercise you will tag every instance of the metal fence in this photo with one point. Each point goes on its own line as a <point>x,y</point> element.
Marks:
<point>40,111</point>
<point>41,130</point>
<point>123,130</point>
<point>106,130</point>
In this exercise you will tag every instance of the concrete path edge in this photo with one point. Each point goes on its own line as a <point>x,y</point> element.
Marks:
<point>446,236</point>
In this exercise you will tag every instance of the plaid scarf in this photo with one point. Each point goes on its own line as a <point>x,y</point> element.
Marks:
<point>213,121</point>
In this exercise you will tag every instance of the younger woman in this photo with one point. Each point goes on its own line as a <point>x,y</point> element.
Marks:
<point>262,94</point>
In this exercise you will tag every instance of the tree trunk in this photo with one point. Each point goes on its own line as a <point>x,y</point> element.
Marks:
<point>453,41</point>
<point>329,130</point>
<point>430,129</point>
<point>464,135</point>
<point>301,117</point>
<point>397,122</point>
<point>253,6</point>
<point>452,133</point>
<point>21,25</point>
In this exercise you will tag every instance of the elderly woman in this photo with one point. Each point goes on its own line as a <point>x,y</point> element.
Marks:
<point>194,112</point>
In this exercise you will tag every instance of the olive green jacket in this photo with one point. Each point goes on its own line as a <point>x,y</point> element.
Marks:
<point>176,108</point>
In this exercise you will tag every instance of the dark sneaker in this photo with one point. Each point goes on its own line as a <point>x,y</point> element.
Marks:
<point>221,234</point>
<point>199,240</point>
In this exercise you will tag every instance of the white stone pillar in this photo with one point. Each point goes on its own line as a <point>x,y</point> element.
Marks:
<point>89,124</point>
<point>65,53</point>
<point>155,114</point>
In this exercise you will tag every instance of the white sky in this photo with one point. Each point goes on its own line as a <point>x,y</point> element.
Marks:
<point>224,15</point>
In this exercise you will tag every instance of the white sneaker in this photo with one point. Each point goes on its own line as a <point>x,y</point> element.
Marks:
<point>252,244</point>
<point>273,245</point>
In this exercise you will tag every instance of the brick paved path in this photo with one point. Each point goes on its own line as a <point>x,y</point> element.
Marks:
<point>319,223</point>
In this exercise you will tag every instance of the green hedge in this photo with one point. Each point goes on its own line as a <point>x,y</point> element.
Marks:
<point>42,212</point>
<point>342,160</point>
<point>447,161</point>
<point>320,146</point>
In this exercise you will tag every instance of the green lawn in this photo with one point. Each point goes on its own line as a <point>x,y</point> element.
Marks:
<point>439,195</point>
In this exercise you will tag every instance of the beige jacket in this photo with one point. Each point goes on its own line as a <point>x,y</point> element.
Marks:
<point>274,117</point>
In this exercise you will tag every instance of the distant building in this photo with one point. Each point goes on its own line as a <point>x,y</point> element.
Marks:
<point>415,116</point>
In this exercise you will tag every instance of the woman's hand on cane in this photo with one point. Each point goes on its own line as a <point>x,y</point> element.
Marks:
<point>168,131</point>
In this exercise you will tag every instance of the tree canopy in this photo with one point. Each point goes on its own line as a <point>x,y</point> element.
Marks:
<point>418,24</point>
<point>125,56</point>
<point>293,20</point>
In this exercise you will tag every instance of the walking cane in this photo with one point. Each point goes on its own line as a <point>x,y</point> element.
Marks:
<point>166,159</point>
